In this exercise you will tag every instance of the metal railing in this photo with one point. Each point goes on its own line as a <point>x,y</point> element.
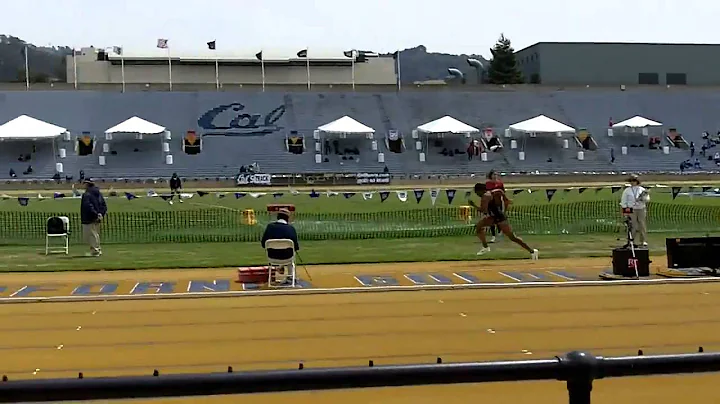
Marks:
<point>577,369</point>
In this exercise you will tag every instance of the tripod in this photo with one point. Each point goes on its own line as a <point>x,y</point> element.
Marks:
<point>631,244</point>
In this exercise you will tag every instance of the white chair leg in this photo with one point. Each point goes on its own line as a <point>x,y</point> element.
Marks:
<point>67,245</point>
<point>293,274</point>
<point>47,244</point>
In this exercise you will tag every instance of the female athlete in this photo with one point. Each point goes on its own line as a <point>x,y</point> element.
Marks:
<point>491,205</point>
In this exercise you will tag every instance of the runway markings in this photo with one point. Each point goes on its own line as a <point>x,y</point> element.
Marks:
<point>329,281</point>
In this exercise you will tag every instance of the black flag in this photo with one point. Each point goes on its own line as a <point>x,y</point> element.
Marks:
<point>419,194</point>
<point>615,189</point>
<point>384,195</point>
<point>450,195</point>
<point>550,193</point>
<point>675,192</point>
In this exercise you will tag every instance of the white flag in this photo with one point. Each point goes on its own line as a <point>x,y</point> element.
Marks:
<point>433,195</point>
<point>331,193</point>
<point>367,195</point>
<point>257,194</point>
<point>402,195</point>
<point>162,43</point>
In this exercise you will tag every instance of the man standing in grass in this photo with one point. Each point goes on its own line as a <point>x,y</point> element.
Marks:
<point>633,202</point>
<point>92,211</point>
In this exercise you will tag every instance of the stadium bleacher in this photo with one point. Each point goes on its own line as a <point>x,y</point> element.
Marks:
<point>242,128</point>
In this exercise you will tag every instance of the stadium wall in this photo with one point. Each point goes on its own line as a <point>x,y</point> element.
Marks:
<point>691,112</point>
<point>556,63</point>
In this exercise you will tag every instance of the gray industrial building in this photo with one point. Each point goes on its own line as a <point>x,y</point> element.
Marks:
<point>585,63</point>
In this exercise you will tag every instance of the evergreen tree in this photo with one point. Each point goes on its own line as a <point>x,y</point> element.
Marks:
<point>503,66</point>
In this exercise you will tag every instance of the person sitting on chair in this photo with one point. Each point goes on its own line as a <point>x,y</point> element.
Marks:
<point>281,229</point>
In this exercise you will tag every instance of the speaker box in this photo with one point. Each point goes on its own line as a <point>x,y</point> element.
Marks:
<point>624,264</point>
<point>693,252</point>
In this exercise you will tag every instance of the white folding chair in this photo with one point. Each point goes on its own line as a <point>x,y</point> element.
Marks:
<point>57,227</point>
<point>274,265</point>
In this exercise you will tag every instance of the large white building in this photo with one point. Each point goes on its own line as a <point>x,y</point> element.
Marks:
<point>160,67</point>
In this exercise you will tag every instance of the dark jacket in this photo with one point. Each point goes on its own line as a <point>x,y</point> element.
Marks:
<point>92,204</point>
<point>175,183</point>
<point>280,230</point>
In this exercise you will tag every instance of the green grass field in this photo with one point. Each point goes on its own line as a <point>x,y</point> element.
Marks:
<point>208,231</point>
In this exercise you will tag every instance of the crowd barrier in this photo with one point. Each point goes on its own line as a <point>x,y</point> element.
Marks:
<point>225,225</point>
<point>577,369</point>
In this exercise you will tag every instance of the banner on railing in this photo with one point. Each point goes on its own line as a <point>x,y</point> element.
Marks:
<point>254,179</point>
<point>372,178</point>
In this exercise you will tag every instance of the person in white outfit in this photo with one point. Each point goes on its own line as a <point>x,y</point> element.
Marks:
<point>634,204</point>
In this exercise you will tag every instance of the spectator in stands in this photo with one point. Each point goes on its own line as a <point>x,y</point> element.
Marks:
<point>692,149</point>
<point>29,170</point>
<point>92,211</point>
<point>56,177</point>
<point>612,155</point>
<point>386,170</point>
<point>81,176</point>
<point>281,229</point>
<point>696,164</point>
<point>716,158</point>
<point>12,173</point>
<point>176,186</point>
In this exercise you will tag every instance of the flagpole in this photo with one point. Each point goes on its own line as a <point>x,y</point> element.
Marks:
<point>217,72</point>
<point>75,78</point>
<point>122,67</point>
<point>262,68</point>
<point>27,70</point>
<point>169,68</point>
<point>353,69</point>
<point>307,61</point>
<point>399,82</point>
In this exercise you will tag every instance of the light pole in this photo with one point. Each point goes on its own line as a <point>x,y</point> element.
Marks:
<point>479,68</point>
<point>455,73</point>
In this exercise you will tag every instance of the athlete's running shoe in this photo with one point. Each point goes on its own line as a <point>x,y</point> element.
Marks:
<point>483,250</point>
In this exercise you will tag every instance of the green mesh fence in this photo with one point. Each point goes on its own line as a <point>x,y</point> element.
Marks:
<point>220,225</point>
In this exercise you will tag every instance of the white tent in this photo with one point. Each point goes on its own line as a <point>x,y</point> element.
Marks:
<point>541,124</point>
<point>447,124</point>
<point>346,126</point>
<point>28,128</point>
<point>636,122</point>
<point>137,125</point>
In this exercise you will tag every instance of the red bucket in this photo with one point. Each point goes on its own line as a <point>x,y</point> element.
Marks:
<point>253,275</point>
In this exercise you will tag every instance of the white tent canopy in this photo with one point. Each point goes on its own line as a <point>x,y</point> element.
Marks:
<point>636,122</point>
<point>346,125</point>
<point>541,124</point>
<point>28,128</point>
<point>137,125</point>
<point>447,124</point>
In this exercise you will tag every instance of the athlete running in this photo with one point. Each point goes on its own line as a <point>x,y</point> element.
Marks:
<point>491,205</point>
<point>493,182</point>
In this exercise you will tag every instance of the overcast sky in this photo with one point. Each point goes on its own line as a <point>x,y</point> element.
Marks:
<point>455,26</point>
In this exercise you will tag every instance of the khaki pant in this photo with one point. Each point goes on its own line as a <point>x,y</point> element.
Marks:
<point>91,235</point>
<point>639,222</point>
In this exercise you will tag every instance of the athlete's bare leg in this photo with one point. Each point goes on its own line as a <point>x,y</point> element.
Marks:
<point>481,230</point>
<point>508,232</point>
